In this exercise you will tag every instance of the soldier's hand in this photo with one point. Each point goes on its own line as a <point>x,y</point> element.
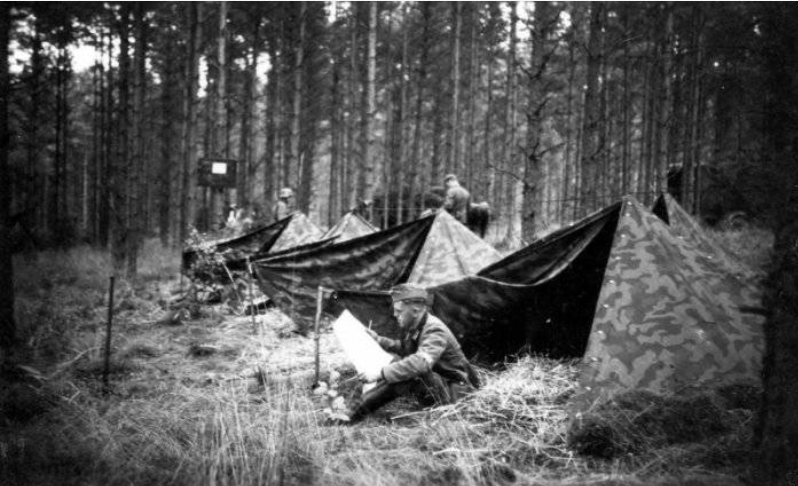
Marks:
<point>373,334</point>
<point>371,375</point>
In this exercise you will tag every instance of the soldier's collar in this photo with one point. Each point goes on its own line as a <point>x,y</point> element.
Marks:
<point>416,330</point>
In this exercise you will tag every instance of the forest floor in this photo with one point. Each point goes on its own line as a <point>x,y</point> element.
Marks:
<point>219,401</point>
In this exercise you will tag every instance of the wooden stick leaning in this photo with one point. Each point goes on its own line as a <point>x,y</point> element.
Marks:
<point>107,365</point>
<point>319,298</point>
<point>251,299</point>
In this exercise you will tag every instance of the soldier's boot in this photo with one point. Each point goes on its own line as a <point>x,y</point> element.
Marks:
<point>382,394</point>
<point>431,390</point>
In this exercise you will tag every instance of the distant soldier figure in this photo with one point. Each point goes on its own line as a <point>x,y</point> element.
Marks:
<point>285,204</point>
<point>234,218</point>
<point>457,198</point>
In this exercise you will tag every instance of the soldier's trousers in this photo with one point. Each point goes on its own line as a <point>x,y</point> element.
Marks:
<point>429,389</point>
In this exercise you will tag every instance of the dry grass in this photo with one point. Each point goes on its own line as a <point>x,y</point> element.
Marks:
<point>246,414</point>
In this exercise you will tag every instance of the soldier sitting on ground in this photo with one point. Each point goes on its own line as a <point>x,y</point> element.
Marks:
<point>430,363</point>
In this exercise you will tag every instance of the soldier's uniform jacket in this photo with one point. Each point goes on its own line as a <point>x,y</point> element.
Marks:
<point>456,202</point>
<point>282,210</point>
<point>429,346</point>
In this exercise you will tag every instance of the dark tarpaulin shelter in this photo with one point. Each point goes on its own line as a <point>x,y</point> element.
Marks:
<point>642,305</point>
<point>375,262</point>
<point>293,233</point>
<point>429,251</point>
<point>239,247</point>
<point>516,302</point>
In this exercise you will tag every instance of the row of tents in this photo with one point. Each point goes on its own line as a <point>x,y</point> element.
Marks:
<point>645,298</point>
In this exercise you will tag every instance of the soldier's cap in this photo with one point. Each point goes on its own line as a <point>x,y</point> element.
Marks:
<point>449,177</point>
<point>409,293</point>
<point>286,192</point>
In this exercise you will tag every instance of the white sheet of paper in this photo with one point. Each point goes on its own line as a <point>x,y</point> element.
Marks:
<point>364,352</point>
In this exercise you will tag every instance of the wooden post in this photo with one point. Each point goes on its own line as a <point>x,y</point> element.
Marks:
<point>251,299</point>
<point>319,297</point>
<point>107,367</point>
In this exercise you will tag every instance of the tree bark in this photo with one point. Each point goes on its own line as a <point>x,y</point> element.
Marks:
<point>413,176</point>
<point>473,93</point>
<point>531,212</point>
<point>188,208</point>
<point>294,161</point>
<point>590,156</point>
<point>8,326</point>
<point>402,119</point>
<point>506,196</point>
<point>453,164</point>
<point>137,170</point>
<point>119,170</point>
<point>368,121</point>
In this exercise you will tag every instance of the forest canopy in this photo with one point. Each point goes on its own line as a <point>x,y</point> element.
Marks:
<point>546,110</point>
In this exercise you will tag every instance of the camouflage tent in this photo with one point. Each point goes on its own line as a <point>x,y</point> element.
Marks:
<point>670,315</point>
<point>428,251</point>
<point>350,226</point>
<point>640,304</point>
<point>685,226</point>
<point>299,231</point>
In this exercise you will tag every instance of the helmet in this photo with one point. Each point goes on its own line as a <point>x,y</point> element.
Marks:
<point>286,192</point>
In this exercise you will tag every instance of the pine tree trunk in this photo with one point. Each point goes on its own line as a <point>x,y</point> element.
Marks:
<point>415,199</point>
<point>351,166</point>
<point>626,129</point>
<point>8,328</point>
<point>33,142</point>
<point>402,148</point>
<point>570,163</point>
<point>473,92</point>
<point>188,207</point>
<point>137,169</point>
<point>271,167</point>
<point>119,173</point>
<point>530,213</point>
<point>246,175</point>
<point>368,120</point>
<point>334,207</point>
<point>294,161</point>
<point>454,162</point>
<point>508,153</point>
<point>590,156</point>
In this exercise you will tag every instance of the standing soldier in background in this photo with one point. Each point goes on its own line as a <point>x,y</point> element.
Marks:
<point>457,198</point>
<point>285,204</point>
<point>234,221</point>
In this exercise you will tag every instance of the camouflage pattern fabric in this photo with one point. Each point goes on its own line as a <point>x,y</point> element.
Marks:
<point>350,226</point>
<point>644,307</point>
<point>669,316</point>
<point>373,262</point>
<point>238,248</point>
<point>510,303</point>
<point>300,230</point>
<point>685,226</point>
<point>450,252</point>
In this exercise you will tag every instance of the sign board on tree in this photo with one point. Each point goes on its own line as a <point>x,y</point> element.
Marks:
<point>218,173</point>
